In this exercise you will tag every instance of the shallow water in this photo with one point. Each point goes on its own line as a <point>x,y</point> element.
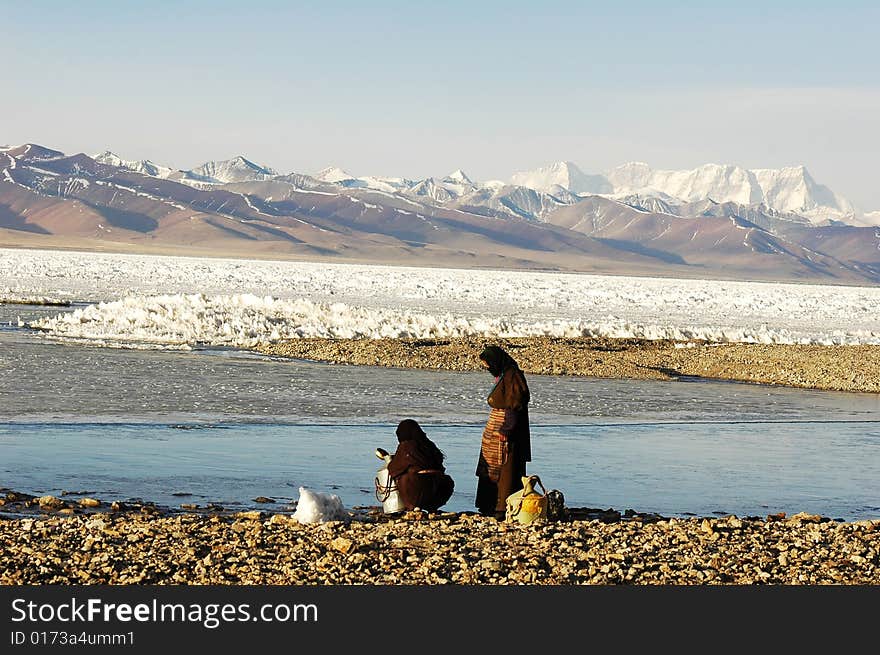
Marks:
<point>671,469</point>
<point>226,426</point>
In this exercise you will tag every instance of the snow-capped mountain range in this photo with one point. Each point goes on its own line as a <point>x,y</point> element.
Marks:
<point>790,190</point>
<point>713,221</point>
<point>534,194</point>
<point>238,169</point>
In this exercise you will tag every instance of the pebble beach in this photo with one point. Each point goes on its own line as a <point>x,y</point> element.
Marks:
<point>144,545</point>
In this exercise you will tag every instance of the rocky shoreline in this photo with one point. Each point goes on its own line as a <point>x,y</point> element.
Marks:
<point>830,368</point>
<point>49,541</point>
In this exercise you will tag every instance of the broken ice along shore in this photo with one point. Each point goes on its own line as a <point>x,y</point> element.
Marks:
<point>145,301</point>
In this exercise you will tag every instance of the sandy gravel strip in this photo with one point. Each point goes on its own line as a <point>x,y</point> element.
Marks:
<point>833,368</point>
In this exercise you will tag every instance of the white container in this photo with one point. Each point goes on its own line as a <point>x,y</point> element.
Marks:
<point>386,489</point>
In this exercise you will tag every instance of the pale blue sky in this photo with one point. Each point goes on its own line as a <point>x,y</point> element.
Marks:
<point>408,89</point>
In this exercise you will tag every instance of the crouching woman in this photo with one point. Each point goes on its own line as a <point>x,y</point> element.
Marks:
<point>417,469</point>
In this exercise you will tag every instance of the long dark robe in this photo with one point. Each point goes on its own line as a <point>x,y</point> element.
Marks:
<point>417,469</point>
<point>506,444</point>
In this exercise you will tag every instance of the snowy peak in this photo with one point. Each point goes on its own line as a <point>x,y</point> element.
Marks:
<point>237,169</point>
<point>429,188</point>
<point>333,174</point>
<point>452,187</point>
<point>564,174</point>
<point>341,177</point>
<point>632,175</point>
<point>658,204</point>
<point>32,151</point>
<point>457,176</point>
<point>794,189</point>
<point>111,159</point>
<point>144,166</point>
<point>561,173</point>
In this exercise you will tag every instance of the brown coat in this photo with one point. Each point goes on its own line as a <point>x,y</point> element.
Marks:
<point>420,476</point>
<point>506,443</point>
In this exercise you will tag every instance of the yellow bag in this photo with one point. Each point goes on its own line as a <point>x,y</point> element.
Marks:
<point>527,505</point>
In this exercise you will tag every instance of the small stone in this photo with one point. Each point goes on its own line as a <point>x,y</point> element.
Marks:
<point>263,499</point>
<point>50,502</point>
<point>806,518</point>
<point>342,544</point>
<point>89,502</point>
<point>282,519</point>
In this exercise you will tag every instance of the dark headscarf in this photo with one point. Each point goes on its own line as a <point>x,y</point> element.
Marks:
<point>511,391</point>
<point>497,359</point>
<point>422,450</point>
<point>409,429</point>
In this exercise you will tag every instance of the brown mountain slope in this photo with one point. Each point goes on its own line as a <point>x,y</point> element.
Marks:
<point>717,243</point>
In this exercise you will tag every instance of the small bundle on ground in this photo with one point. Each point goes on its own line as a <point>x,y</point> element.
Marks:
<point>319,507</point>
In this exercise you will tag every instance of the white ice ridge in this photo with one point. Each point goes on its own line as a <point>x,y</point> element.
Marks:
<point>244,320</point>
<point>7,298</point>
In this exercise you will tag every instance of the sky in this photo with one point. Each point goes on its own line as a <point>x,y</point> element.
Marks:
<point>418,89</point>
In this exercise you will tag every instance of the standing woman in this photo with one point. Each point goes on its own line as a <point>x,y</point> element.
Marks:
<point>506,444</point>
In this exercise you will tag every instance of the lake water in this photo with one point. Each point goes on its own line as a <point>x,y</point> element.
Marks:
<point>226,426</point>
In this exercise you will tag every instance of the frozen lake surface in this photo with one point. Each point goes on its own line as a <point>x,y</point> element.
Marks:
<point>177,302</point>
